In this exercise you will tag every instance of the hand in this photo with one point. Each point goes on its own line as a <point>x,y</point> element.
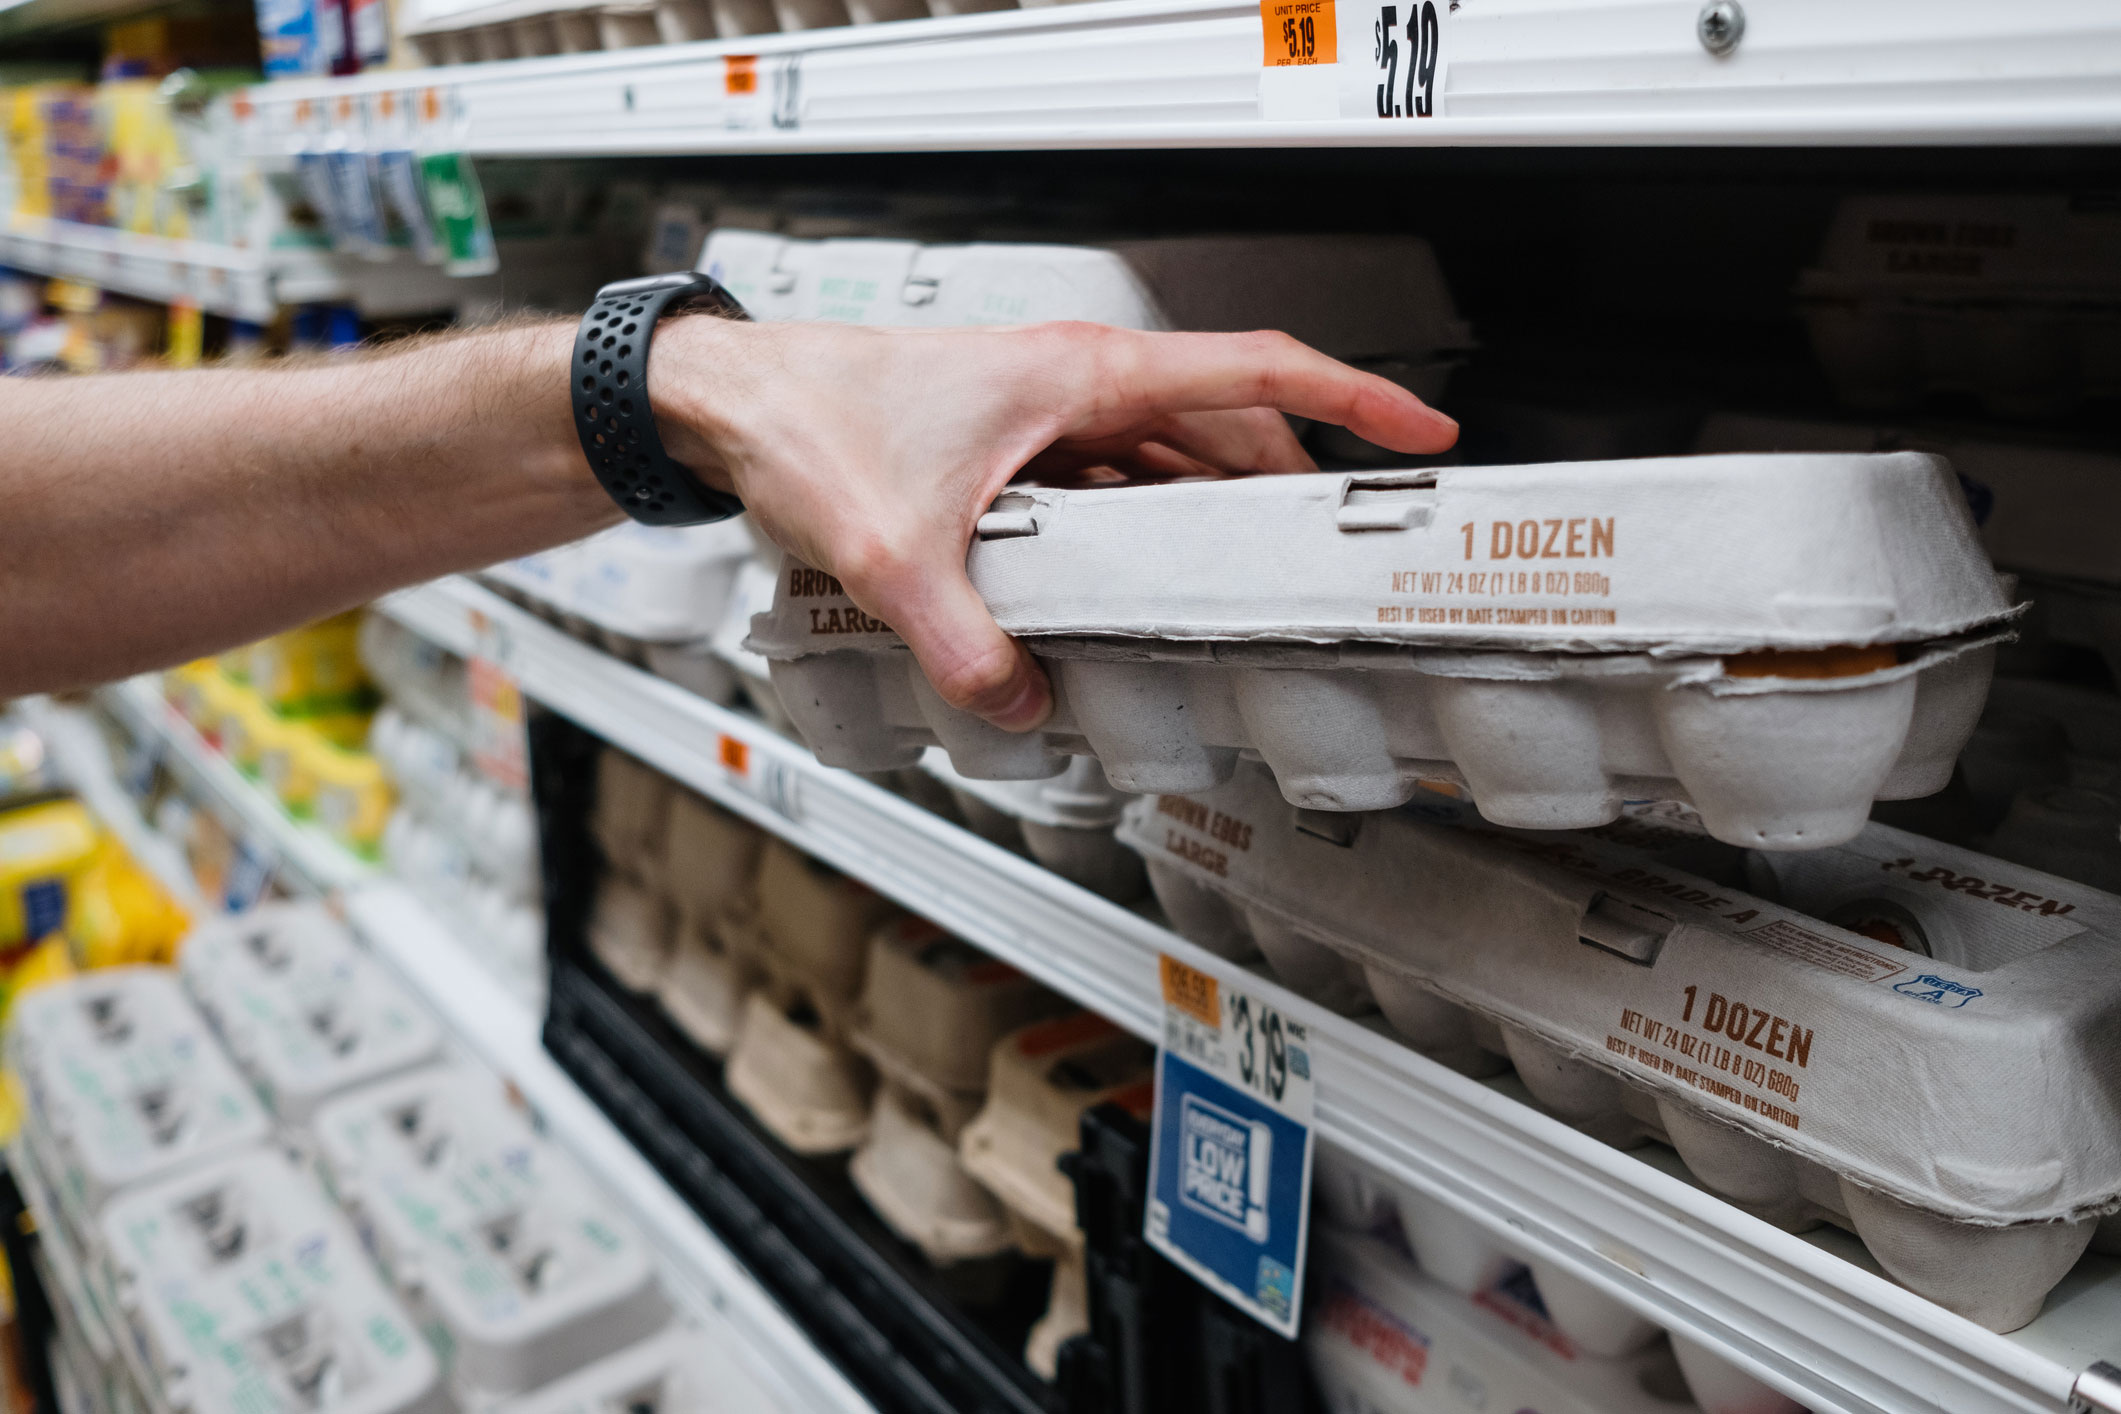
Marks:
<point>871,453</point>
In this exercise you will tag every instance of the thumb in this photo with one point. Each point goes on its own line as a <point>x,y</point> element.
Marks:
<point>972,664</point>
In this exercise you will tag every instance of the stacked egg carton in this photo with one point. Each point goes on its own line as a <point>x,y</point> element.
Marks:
<point>1064,822</point>
<point>932,1009</point>
<point>2013,299</point>
<point>243,1288</point>
<point>122,1085</point>
<point>678,1372</point>
<point>1040,1080</point>
<point>1740,1013</point>
<point>304,1012</point>
<point>793,1063</point>
<point>463,837</point>
<point>513,1262</point>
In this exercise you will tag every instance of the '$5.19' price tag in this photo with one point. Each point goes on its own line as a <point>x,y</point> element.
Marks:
<point>1230,1161</point>
<point>1298,32</point>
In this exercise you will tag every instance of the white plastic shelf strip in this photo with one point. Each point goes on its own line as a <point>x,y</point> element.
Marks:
<point>1188,72</point>
<point>505,1035</point>
<point>1836,1336</point>
<point>315,860</point>
<point>220,279</point>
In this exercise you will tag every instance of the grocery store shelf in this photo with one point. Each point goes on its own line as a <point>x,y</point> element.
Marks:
<point>25,17</point>
<point>309,858</point>
<point>1831,1332</point>
<point>505,1035</point>
<point>83,759</point>
<point>1188,73</point>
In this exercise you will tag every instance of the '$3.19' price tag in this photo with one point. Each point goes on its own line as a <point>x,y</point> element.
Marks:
<point>1230,1158</point>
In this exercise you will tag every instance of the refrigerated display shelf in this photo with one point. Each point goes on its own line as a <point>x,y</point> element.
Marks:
<point>502,1031</point>
<point>83,759</point>
<point>309,859</point>
<point>1166,73</point>
<point>1793,1310</point>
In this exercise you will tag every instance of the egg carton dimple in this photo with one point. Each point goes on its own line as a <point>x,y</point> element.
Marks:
<point>681,1371</point>
<point>123,1082</point>
<point>1064,822</point>
<point>1461,1256</point>
<point>1636,1000</point>
<point>495,1238</point>
<point>243,1289</point>
<point>304,1010</point>
<point>1354,632</point>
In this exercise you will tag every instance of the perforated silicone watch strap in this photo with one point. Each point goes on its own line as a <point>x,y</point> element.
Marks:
<point>610,388</point>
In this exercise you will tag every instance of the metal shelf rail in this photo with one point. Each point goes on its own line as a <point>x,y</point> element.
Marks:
<point>1835,1335</point>
<point>1170,73</point>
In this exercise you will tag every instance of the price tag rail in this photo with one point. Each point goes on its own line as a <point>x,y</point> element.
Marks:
<point>1805,1313</point>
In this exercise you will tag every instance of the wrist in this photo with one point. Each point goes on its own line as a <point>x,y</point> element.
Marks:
<point>692,365</point>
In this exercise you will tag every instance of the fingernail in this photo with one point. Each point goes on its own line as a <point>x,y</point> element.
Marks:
<point>1029,707</point>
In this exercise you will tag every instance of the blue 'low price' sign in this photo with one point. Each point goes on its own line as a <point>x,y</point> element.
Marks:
<point>1230,1165</point>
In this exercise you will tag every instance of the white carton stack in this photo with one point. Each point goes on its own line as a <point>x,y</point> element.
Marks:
<point>507,1254</point>
<point>1362,633</point>
<point>304,1011</point>
<point>1041,1079</point>
<point>932,1008</point>
<point>681,1371</point>
<point>1757,1029</point>
<point>2015,299</point>
<point>1597,1347</point>
<point>244,1290</point>
<point>123,1084</point>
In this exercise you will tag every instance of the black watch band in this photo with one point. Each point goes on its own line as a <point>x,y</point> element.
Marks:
<point>610,387</point>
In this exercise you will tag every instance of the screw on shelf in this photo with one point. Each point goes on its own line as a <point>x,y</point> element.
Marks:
<point>1720,25</point>
<point>2097,1391</point>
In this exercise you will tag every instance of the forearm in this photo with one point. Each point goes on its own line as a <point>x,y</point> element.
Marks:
<point>150,517</point>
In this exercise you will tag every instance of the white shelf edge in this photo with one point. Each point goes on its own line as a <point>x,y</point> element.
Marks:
<point>84,764</point>
<point>1838,1338</point>
<point>496,1026</point>
<point>318,862</point>
<point>504,1034</point>
<point>220,279</point>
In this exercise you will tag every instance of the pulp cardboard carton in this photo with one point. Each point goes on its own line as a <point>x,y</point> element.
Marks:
<point>711,860</point>
<point>1875,1035</point>
<point>681,1371</point>
<point>2013,298</point>
<point>631,932</point>
<point>1362,633</point>
<point>812,928</point>
<point>507,1253</point>
<point>1574,1319</point>
<point>1064,822</point>
<point>806,1085</point>
<point>303,1010</point>
<point>244,1289</point>
<point>1383,1337</point>
<point>704,987</point>
<point>631,811</point>
<point>908,1170</point>
<point>123,1083</point>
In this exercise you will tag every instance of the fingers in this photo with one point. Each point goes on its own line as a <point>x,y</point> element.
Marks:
<point>1149,375</point>
<point>1248,440</point>
<point>973,665</point>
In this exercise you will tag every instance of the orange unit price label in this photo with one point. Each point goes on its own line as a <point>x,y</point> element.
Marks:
<point>1298,32</point>
<point>740,74</point>
<point>1191,991</point>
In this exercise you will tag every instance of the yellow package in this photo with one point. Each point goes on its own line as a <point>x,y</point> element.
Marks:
<point>28,148</point>
<point>44,849</point>
<point>353,799</point>
<point>216,697</point>
<point>123,915</point>
<point>315,669</point>
<point>185,688</point>
<point>248,730</point>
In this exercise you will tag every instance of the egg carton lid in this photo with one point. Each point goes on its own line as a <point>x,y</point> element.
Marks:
<point>1971,246</point>
<point>679,1371</point>
<point>1381,1325</point>
<point>492,1170</point>
<point>1668,556</point>
<point>302,1006</point>
<point>110,1057</point>
<point>634,579</point>
<point>1079,798</point>
<point>1615,958</point>
<point>292,1318</point>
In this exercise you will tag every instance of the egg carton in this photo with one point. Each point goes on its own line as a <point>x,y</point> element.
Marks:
<point>811,930</point>
<point>630,815</point>
<point>711,869</point>
<point>1637,1000</point>
<point>704,987</point>
<point>70,1263</point>
<point>494,825</point>
<point>908,1170</point>
<point>1354,297</point>
<point>808,1087</point>
<point>2012,298</point>
<point>1841,660</point>
<point>1385,1338</point>
<point>511,1258</point>
<point>632,932</point>
<point>426,681</point>
<point>244,1289</point>
<point>1572,1317</point>
<point>123,1083</point>
<point>1064,822</point>
<point>681,1371</point>
<point>752,596</point>
<point>304,1011</point>
<point>932,1009</point>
